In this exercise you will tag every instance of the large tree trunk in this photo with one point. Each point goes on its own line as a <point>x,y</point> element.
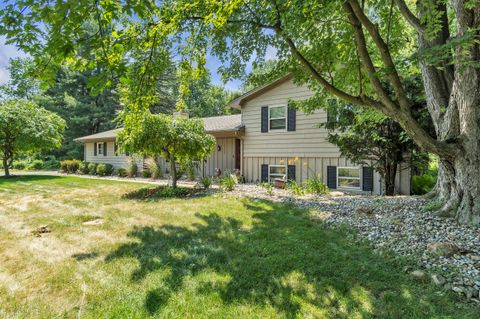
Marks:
<point>453,99</point>
<point>390,174</point>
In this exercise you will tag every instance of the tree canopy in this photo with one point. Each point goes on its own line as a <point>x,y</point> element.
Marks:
<point>26,128</point>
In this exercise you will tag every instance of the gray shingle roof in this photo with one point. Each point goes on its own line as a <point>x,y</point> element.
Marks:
<point>222,123</point>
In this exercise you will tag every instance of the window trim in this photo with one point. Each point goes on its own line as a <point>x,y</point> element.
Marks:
<point>277,175</point>
<point>359,178</point>
<point>278,118</point>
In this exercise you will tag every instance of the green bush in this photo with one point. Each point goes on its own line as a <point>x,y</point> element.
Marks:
<point>51,164</point>
<point>92,168</point>
<point>132,169</point>
<point>268,188</point>
<point>146,173</point>
<point>35,165</point>
<point>315,185</point>
<point>160,192</point>
<point>19,165</point>
<point>83,168</point>
<point>104,169</point>
<point>70,166</point>
<point>154,168</point>
<point>422,184</point>
<point>228,182</point>
<point>295,188</point>
<point>206,182</point>
<point>121,172</point>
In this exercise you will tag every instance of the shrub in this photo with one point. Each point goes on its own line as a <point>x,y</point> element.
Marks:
<point>154,168</point>
<point>19,165</point>
<point>295,188</point>
<point>121,172</point>
<point>228,182</point>
<point>70,166</point>
<point>206,182</point>
<point>83,168</point>
<point>132,169</point>
<point>51,163</point>
<point>432,206</point>
<point>191,172</point>
<point>146,173</point>
<point>35,165</point>
<point>92,168</point>
<point>268,188</point>
<point>104,169</point>
<point>315,185</point>
<point>160,192</point>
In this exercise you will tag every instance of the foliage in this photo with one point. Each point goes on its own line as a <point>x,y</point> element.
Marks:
<point>432,206</point>
<point>228,182</point>
<point>51,163</point>
<point>121,172</point>
<point>154,167</point>
<point>206,182</point>
<point>92,168</point>
<point>83,168</point>
<point>424,183</point>
<point>268,187</point>
<point>20,165</point>
<point>26,128</point>
<point>160,192</point>
<point>104,169</point>
<point>70,166</point>
<point>295,188</point>
<point>315,185</point>
<point>132,169</point>
<point>146,173</point>
<point>179,140</point>
<point>35,165</point>
<point>22,85</point>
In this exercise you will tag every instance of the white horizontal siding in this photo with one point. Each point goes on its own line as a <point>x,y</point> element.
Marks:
<point>307,141</point>
<point>118,161</point>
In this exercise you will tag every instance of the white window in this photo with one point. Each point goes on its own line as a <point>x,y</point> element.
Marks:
<point>276,171</point>
<point>100,148</point>
<point>348,177</point>
<point>277,117</point>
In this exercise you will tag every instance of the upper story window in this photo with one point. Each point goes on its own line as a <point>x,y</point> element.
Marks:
<point>348,177</point>
<point>277,117</point>
<point>100,148</point>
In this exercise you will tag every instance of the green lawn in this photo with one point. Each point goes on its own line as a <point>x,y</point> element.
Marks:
<point>207,257</point>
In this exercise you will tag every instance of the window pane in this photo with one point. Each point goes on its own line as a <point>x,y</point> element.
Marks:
<point>277,124</point>
<point>348,172</point>
<point>276,112</point>
<point>277,170</point>
<point>347,182</point>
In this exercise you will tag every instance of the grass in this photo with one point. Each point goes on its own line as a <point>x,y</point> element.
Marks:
<point>203,257</point>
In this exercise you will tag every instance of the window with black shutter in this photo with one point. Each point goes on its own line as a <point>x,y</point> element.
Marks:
<point>105,149</point>
<point>94,149</point>
<point>264,173</point>
<point>291,117</point>
<point>332,177</point>
<point>291,172</point>
<point>367,179</point>
<point>264,119</point>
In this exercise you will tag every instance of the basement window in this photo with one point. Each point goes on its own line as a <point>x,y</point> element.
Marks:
<point>348,177</point>
<point>277,171</point>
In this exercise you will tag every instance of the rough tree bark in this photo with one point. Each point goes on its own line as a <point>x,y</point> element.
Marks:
<point>173,171</point>
<point>6,167</point>
<point>390,173</point>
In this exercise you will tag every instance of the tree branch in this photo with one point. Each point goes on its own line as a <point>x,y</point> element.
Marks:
<point>409,16</point>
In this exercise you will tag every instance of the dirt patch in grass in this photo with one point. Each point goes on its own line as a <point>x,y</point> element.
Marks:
<point>147,193</point>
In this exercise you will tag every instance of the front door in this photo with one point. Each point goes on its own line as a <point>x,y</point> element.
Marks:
<point>237,153</point>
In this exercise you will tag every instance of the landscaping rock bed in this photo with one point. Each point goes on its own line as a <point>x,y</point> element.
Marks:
<point>449,253</point>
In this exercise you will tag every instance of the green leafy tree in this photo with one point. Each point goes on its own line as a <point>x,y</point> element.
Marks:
<point>342,48</point>
<point>179,140</point>
<point>26,128</point>
<point>22,84</point>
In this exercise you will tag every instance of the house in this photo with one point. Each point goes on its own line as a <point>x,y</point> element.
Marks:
<point>268,140</point>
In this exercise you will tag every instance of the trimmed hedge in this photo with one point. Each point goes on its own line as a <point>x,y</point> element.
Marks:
<point>70,166</point>
<point>104,169</point>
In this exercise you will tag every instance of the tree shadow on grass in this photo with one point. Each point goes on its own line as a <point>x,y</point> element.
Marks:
<point>26,178</point>
<point>285,261</point>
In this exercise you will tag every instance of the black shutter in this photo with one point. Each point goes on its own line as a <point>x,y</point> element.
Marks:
<point>291,117</point>
<point>94,149</point>
<point>332,177</point>
<point>264,118</point>
<point>264,172</point>
<point>291,170</point>
<point>104,148</point>
<point>367,179</point>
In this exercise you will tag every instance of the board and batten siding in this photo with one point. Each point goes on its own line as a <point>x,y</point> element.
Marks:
<point>223,159</point>
<point>118,161</point>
